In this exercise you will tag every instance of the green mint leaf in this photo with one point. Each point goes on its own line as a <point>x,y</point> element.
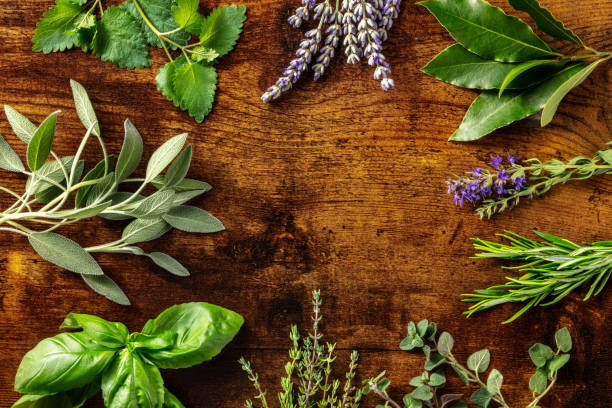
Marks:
<point>490,112</point>
<point>164,155</point>
<point>98,172</point>
<point>170,401</point>
<point>563,338</point>
<point>479,361</point>
<point>179,168</point>
<point>61,363</point>
<point>64,252</point>
<point>445,344</point>
<point>193,219</point>
<point>488,31</point>
<point>165,76</point>
<point>24,129</point>
<point>144,230</point>
<point>540,354</point>
<point>105,286</point>
<point>494,382</point>
<point>481,398</point>
<point>552,104</point>
<point>538,381</point>
<point>132,382</point>
<point>525,67</point>
<point>194,86</point>
<point>108,334</point>
<point>84,108</point>
<point>9,160</point>
<point>545,20</point>
<point>50,34</point>
<point>119,40</point>
<point>169,264</point>
<point>186,15</point>
<point>202,329</point>
<point>40,145</point>
<point>159,13</point>
<point>222,28</point>
<point>131,152</point>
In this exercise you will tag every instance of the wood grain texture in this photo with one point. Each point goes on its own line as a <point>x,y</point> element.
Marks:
<point>337,186</point>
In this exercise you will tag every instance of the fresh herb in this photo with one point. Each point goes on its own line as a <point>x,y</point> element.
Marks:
<point>552,269</point>
<point>428,386</point>
<point>502,189</point>
<point>308,381</point>
<point>361,26</point>
<point>66,370</point>
<point>48,201</point>
<point>518,72</point>
<point>122,35</point>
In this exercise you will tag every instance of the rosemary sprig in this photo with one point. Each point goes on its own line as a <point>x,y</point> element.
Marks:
<point>553,268</point>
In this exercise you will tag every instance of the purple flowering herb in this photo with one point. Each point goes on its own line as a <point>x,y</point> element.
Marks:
<point>360,26</point>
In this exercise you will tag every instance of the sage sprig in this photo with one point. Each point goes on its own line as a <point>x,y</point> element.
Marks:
<point>513,179</point>
<point>553,268</point>
<point>122,35</point>
<point>438,353</point>
<point>66,370</point>
<point>57,194</point>
<point>518,72</point>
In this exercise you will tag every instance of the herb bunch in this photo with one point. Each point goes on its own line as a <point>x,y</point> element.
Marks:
<point>360,26</point>
<point>514,179</point>
<point>553,268</point>
<point>438,353</point>
<point>122,34</point>
<point>518,72</point>
<point>66,370</point>
<point>57,194</point>
<point>308,382</point>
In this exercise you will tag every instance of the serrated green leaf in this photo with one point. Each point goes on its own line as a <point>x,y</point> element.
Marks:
<point>194,87</point>
<point>154,206</point>
<point>558,362</point>
<point>164,155</point>
<point>40,145</point>
<point>168,263</point>
<point>131,152</point>
<point>119,40</point>
<point>545,21</point>
<point>144,230</point>
<point>159,13</point>
<point>179,168</point>
<point>24,129</point>
<point>9,160</point>
<point>222,28</point>
<point>494,382</point>
<point>479,361</point>
<point>49,35</point>
<point>487,31</point>
<point>490,112</point>
<point>524,68</point>
<point>94,174</point>
<point>193,219</point>
<point>538,381</point>
<point>186,15</point>
<point>563,339</point>
<point>164,78</point>
<point>84,108</point>
<point>540,354</point>
<point>552,104</point>
<point>64,252</point>
<point>105,286</point>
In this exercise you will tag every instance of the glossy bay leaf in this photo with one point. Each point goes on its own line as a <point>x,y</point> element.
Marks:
<point>545,20</point>
<point>523,68</point>
<point>64,252</point>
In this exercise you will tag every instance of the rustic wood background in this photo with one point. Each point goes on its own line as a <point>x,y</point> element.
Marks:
<point>337,186</point>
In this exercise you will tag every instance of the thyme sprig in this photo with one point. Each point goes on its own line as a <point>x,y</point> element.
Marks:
<point>552,270</point>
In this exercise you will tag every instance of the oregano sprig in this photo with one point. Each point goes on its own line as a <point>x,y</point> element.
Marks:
<point>58,194</point>
<point>122,35</point>
<point>518,72</point>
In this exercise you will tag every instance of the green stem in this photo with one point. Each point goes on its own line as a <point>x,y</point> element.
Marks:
<point>159,35</point>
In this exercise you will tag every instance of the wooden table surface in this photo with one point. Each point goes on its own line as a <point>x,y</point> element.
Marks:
<point>337,186</point>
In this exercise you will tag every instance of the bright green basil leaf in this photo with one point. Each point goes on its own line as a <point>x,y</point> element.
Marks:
<point>222,28</point>
<point>44,401</point>
<point>102,190</point>
<point>64,252</point>
<point>105,286</point>
<point>9,160</point>
<point>481,398</point>
<point>164,155</point>
<point>179,168</point>
<point>84,108</point>
<point>50,171</point>
<point>186,15</point>
<point>105,333</point>
<point>144,230</point>
<point>131,152</point>
<point>49,35</point>
<point>193,219</point>
<point>24,129</point>
<point>558,362</point>
<point>490,112</point>
<point>563,338</point>
<point>494,382</point>
<point>545,20</point>
<point>154,206</point>
<point>170,401</point>
<point>538,381</point>
<point>40,145</point>
<point>165,78</point>
<point>488,31</point>
<point>194,87</point>
<point>445,343</point>
<point>479,361</point>
<point>119,40</point>
<point>552,104</point>
<point>159,12</point>
<point>98,172</point>
<point>61,363</point>
<point>168,263</point>
<point>131,382</point>
<point>185,185</point>
<point>203,331</point>
<point>145,341</point>
<point>523,68</point>
<point>540,354</point>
